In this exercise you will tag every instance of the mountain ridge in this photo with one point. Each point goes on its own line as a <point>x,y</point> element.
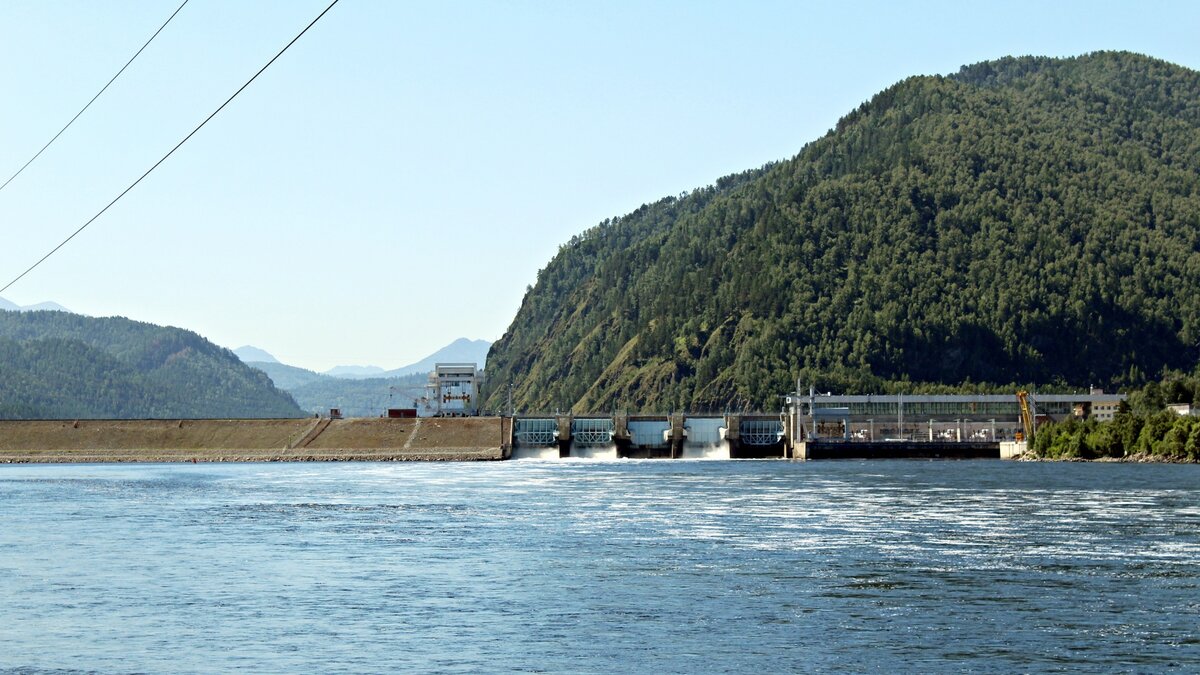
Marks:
<point>57,365</point>
<point>961,231</point>
<point>369,394</point>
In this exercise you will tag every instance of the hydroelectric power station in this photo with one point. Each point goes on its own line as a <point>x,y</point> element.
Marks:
<point>812,426</point>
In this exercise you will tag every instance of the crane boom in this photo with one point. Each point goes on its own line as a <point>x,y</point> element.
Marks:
<point>1027,419</point>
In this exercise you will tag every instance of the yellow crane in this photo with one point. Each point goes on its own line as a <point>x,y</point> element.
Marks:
<point>1027,419</point>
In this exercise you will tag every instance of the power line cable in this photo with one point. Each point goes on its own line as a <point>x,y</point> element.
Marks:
<point>172,151</point>
<point>89,103</point>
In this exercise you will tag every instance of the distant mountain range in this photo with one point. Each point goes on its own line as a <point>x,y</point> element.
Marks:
<point>367,397</point>
<point>361,391</point>
<point>39,307</point>
<point>356,372</point>
<point>461,350</point>
<point>60,365</point>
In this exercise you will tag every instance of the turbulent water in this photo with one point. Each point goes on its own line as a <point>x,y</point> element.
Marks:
<point>627,566</point>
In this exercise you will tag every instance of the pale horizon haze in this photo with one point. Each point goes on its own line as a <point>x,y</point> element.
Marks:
<point>397,178</point>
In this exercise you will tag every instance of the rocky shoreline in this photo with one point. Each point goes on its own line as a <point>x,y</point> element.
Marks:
<point>1141,458</point>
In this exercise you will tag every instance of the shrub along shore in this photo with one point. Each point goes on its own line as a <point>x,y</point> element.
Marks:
<point>1159,437</point>
<point>1143,430</point>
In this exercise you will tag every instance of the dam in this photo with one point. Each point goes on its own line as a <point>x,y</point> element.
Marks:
<point>811,426</point>
<point>730,436</point>
<point>808,427</point>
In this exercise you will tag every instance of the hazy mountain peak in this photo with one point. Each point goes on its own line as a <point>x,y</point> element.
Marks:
<point>249,354</point>
<point>354,372</point>
<point>39,307</point>
<point>462,350</point>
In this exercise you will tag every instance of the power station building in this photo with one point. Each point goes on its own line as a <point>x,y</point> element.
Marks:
<point>938,417</point>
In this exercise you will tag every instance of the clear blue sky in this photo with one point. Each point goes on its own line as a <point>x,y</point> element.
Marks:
<point>397,178</point>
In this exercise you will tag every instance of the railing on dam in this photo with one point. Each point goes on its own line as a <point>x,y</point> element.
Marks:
<point>533,432</point>
<point>592,431</point>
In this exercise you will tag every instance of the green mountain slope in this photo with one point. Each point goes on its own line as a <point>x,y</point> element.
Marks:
<point>1026,220</point>
<point>55,365</point>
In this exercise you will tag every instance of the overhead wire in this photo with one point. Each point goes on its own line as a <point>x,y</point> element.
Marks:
<point>171,152</point>
<point>89,103</point>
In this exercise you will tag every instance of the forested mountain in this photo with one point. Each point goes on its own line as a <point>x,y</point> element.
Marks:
<point>55,365</point>
<point>1027,220</point>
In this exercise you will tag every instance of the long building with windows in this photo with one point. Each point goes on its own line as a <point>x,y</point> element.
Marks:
<point>939,417</point>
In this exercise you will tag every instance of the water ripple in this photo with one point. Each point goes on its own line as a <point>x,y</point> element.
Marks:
<point>582,566</point>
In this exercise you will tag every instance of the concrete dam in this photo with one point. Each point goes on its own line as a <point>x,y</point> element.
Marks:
<point>675,436</point>
<point>812,426</point>
<point>733,436</point>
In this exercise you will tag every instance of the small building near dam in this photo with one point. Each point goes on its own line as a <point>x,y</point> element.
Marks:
<point>455,389</point>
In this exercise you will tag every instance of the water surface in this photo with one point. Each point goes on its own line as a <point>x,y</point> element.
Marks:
<point>627,566</point>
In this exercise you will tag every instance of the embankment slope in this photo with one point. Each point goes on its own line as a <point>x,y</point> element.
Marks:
<point>250,440</point>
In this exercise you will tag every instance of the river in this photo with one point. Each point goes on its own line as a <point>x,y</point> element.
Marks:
<point>577,566</point>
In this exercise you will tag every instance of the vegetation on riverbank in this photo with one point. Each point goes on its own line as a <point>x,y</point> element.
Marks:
<point>1164,435</point>
<point>1143,428</point>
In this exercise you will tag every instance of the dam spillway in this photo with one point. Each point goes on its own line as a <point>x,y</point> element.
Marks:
<point>668,436</point>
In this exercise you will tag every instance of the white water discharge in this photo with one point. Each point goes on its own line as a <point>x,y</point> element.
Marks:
<point>535,452</point>
<point>601,452</point>
<point>706,450</point>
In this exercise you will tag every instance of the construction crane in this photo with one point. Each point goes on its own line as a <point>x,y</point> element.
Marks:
<point>1027,415</point>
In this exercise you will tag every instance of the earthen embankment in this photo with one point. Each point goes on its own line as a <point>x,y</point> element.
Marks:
<point>373,439</point>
